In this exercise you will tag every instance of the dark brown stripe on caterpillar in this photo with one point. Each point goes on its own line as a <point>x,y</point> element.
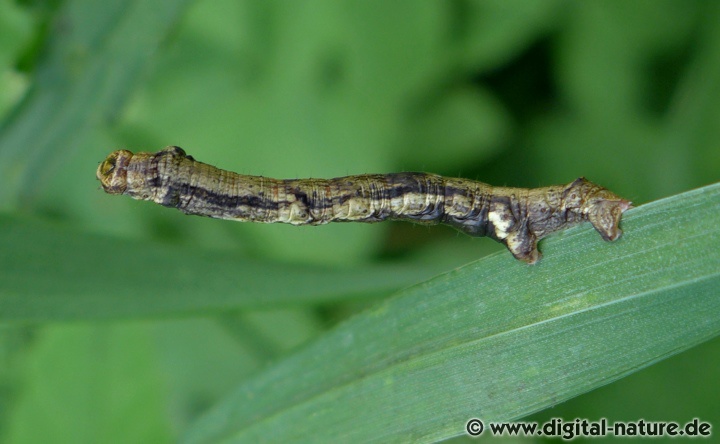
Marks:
<point>517,217</point>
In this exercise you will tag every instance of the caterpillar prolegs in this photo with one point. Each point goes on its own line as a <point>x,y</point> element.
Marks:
<point>517,217</point>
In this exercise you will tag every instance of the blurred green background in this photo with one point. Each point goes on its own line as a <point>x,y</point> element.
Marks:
<point>519,93</point>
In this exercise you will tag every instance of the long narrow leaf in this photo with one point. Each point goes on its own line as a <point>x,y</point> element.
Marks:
<point>97,53</point>
<point>496,339</point>
<point>51,273</point>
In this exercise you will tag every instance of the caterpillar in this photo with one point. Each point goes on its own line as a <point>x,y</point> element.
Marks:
<point>516,217</point>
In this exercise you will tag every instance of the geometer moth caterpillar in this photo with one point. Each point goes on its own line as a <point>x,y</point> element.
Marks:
<point>517,217</point>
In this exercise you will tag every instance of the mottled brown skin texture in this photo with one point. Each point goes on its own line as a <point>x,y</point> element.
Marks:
<point>517,217</point>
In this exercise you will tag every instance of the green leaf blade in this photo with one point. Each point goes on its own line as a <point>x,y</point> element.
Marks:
<point>51,273</point>
<point>94,60</point>
<point>496,339</point>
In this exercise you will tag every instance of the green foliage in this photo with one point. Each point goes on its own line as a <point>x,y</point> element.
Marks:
<point>508,92</point>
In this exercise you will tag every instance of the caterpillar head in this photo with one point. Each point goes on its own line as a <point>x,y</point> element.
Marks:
<point>112,172</point>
